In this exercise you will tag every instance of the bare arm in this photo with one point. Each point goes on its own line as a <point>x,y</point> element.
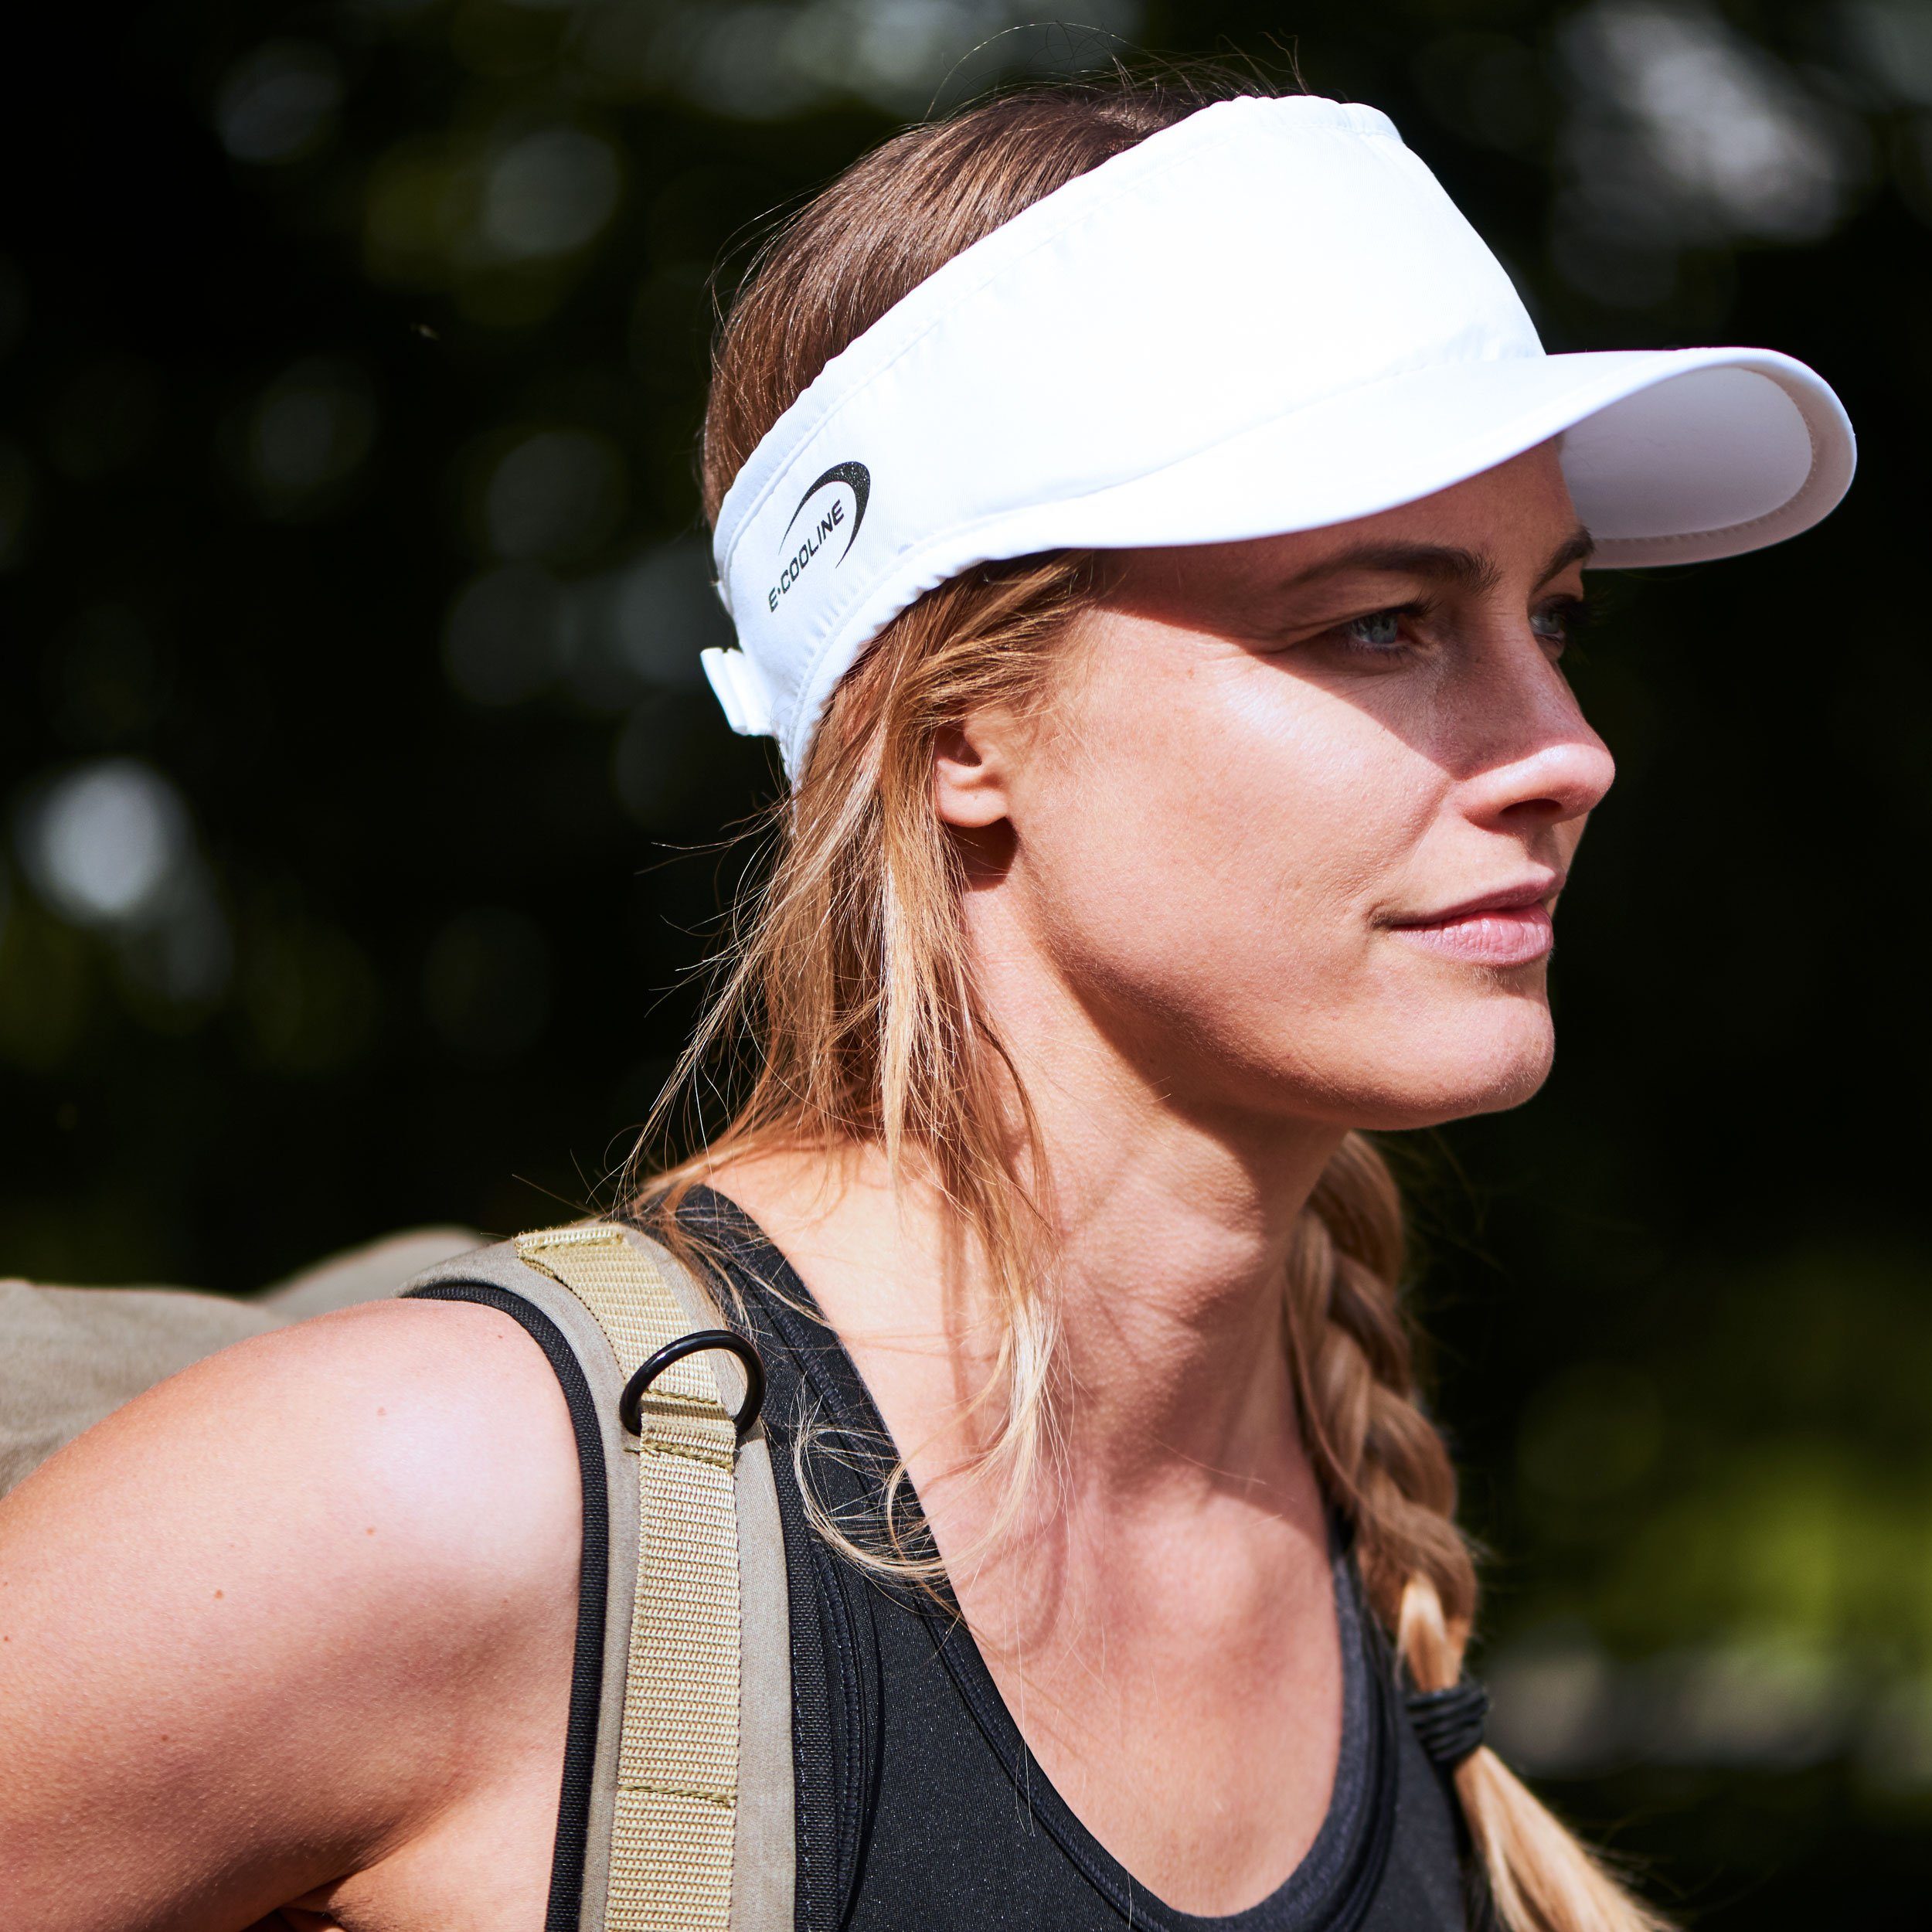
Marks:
<point>295,1625</point>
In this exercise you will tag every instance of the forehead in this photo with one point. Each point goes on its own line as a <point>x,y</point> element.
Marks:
<point>1516,520</point>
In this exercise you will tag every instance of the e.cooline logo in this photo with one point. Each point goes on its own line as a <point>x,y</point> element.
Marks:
<point>829,522</point>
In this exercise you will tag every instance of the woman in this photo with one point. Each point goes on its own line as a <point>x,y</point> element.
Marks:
<point>1153,530</point>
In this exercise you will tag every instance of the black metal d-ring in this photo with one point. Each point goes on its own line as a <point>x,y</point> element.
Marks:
<point>631,1404</point>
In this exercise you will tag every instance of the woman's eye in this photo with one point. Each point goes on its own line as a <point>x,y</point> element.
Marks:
<point>1380,630</point>
<point>1558,622</point>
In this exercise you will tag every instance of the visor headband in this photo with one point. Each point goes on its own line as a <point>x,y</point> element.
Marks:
<point>1267,317</point>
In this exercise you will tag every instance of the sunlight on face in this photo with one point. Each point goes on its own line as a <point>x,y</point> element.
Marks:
<point>1294,830</point>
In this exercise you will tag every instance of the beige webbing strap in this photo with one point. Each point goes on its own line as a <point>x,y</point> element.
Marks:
<point>678,1766</point>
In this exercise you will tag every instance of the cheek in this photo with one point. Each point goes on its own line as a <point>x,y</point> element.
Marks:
<point>1218,837</point>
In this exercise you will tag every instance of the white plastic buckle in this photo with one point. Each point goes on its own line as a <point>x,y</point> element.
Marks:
<point>740,691</point>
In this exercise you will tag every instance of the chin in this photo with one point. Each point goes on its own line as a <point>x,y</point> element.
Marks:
<point>1485,1063</point>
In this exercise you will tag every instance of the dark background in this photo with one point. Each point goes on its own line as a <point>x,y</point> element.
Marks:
<point>362,808</point>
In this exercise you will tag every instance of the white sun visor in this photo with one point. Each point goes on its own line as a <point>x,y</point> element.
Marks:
<point>1268,317</point>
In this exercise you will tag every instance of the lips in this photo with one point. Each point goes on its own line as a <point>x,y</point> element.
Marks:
<point>1510,928</point>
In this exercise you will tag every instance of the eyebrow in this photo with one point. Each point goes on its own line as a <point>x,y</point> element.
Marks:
<point>1444,562</point>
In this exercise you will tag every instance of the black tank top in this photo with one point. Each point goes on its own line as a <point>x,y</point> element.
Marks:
<point>919,1805</point>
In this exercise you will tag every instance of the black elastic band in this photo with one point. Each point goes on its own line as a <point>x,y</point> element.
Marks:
<point>566,1909</point>
<point>1448,1723</point>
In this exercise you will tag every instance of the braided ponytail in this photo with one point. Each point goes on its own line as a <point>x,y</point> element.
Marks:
<point>1382,1462</point>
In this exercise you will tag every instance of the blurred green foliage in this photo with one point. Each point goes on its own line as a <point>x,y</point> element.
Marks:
<point>362,806</point>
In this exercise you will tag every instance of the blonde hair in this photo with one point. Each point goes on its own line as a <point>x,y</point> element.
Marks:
<point>848,995</point>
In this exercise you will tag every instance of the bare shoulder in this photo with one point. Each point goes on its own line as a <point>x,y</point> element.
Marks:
<point>439,1423</point>
<point>284,1604</point>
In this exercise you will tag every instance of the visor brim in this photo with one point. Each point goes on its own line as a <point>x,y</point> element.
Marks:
<point>1673,456</point>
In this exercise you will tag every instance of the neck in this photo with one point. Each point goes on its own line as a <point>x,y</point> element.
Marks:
<point>1170,1226</point>
<point>1167,1229</point>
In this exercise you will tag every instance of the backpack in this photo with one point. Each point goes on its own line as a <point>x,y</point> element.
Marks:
<point>675,1813</point>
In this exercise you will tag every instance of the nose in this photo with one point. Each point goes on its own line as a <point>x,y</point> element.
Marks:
<point>1540,763</point>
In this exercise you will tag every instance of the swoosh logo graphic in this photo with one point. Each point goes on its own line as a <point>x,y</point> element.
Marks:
<point>857,478</point>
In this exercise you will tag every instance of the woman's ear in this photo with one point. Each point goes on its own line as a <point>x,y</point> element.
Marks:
<point>970,774</point>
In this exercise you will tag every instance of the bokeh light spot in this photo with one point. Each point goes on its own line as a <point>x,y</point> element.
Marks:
<point>504,640</point>
<point>549,193</point>
<point>665,612</point>
<point>110,848</point>
<point>103,844</point>
<point>558,494</point>
<point>278,103</point>
<point>308,432</point>
<point>1686,132</point>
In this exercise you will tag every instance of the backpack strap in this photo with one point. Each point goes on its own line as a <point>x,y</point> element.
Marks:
<point>677,1812</point>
